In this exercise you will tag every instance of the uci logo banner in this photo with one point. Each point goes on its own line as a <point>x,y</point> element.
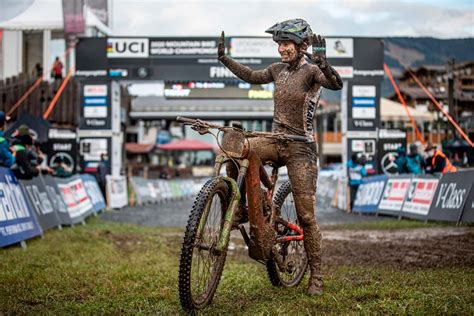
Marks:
<point>127,48</point>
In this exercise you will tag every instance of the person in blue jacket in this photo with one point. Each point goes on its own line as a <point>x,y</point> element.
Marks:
<point>356,171</point>
<point>6,157</point>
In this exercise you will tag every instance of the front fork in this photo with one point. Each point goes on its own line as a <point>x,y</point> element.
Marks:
<point>236,188</point>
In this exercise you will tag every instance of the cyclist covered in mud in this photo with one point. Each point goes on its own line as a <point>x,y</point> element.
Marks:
<point>297,91</point>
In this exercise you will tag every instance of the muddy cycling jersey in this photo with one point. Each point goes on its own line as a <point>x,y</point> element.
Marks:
<point>296,95</point>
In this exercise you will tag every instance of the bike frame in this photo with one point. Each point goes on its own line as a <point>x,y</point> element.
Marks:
<point>263,237</point>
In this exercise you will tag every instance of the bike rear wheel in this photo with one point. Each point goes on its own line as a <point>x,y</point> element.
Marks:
<point>201,265</point>
<point>291,253</point>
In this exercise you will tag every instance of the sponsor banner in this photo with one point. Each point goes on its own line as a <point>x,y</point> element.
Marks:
<point>40,202</point>
<point>419,197</point>
<point>17,221</point>
<point>56,198</point>
<point>74,194</point>
<point>183,47</point>
<point>346,72</point>
<point>361,91</point>
<point>327,188</point>
<point>93,191</point>
<point>339,47</point>
<point>451,196</point>
<point>394,194</point>
<point>117,193</point>
<point>96,90</point>
<point>95,109</point>
<point>127,48</point>
<point>95,112</point>
<point>62,150</point>
<point>468,212</point>
<point>389,142</point>
<point>369,194</point>
<point>363,112</point>
<point>93,101</point>
<point>253,47</point>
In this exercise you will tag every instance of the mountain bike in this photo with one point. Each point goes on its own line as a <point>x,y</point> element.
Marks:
<point>274,239</point>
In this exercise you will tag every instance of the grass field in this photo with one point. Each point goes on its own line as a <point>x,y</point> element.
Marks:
<point>107,268</point>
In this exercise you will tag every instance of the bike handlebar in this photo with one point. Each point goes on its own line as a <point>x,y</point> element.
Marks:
<point>203,124</point>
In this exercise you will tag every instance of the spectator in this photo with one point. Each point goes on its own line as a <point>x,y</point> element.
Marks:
<point>61,169</point>
<point>414,161</point>
<point>57,72</point>
<point>401,160</point>
<point>24,169</point>
<point>356,170</point>
<point>6,157</point>
<point>101,173</point>
<point>437,162</point>
<point>38,70</point>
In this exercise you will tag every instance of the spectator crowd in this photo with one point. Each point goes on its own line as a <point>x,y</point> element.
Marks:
<point>24,156</point>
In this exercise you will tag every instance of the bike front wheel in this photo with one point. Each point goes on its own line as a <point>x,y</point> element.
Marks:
<point>292,254</point>
<point>201,265</point>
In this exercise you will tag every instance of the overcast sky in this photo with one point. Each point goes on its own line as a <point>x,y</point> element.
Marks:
<point>436,18</point>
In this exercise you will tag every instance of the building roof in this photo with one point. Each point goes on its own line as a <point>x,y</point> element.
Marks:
<point>186,145</point>
<point>159,107</point>
<point>135,148</point>
<point>394,111</point>
<point>48,15</point>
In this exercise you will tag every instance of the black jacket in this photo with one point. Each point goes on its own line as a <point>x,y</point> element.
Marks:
<point>24,169</point>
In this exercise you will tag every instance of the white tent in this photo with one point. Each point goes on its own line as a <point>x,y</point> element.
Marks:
<point>394,111</point>
<point>48,15</point>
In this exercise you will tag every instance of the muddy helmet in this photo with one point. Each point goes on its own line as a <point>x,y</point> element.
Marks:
<point>295,30</point>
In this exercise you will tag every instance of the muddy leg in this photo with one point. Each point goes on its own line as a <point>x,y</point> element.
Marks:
<point>302,170</point>
<point>312,240</point>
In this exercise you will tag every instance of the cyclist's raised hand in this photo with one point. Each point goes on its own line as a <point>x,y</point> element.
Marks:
<point>319,49</point>
<point>221,46</point>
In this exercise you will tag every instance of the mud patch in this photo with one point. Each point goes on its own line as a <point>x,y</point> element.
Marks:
<point>417,248</point>
<point>125,242</point>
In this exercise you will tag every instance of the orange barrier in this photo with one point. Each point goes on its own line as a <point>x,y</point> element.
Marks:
<point>402,101</point>
<point>57,95</point>
<point>450,119</point>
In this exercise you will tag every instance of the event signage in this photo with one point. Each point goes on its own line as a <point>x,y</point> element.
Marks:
<point>93,191</point>
<point>117,193</point>
<point>389,142</point>
<point>468,212</point>
<point>419,197</point>
<point>57,200</point>
<point>369,194</point>
<point>195,58</point>
<point>394,195</point>
<point>41,203</point>
<point>77,202</point>
<point>62,149</point>
<point>451,196</point>
<point>17,221</point>
<point>95,109</point>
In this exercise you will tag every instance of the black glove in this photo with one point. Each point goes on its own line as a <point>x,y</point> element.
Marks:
<point>319,51</point>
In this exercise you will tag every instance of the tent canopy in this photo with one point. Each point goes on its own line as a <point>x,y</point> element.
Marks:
<point>186,145</point>
<point>394,111</point>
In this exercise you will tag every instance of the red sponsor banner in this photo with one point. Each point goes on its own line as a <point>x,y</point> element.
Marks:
<point>394,194</point>
<point>420,196</point>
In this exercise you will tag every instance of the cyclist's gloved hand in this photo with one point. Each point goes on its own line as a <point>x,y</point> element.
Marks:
<point>319,51</point>
<point>221,46</point>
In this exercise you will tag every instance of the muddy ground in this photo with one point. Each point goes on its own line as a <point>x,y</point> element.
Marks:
<point>405,248</point>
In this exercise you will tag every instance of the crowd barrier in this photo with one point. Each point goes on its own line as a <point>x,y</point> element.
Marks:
<point>30,207</point>
<point>151,191</point>
<point>449,197</point>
